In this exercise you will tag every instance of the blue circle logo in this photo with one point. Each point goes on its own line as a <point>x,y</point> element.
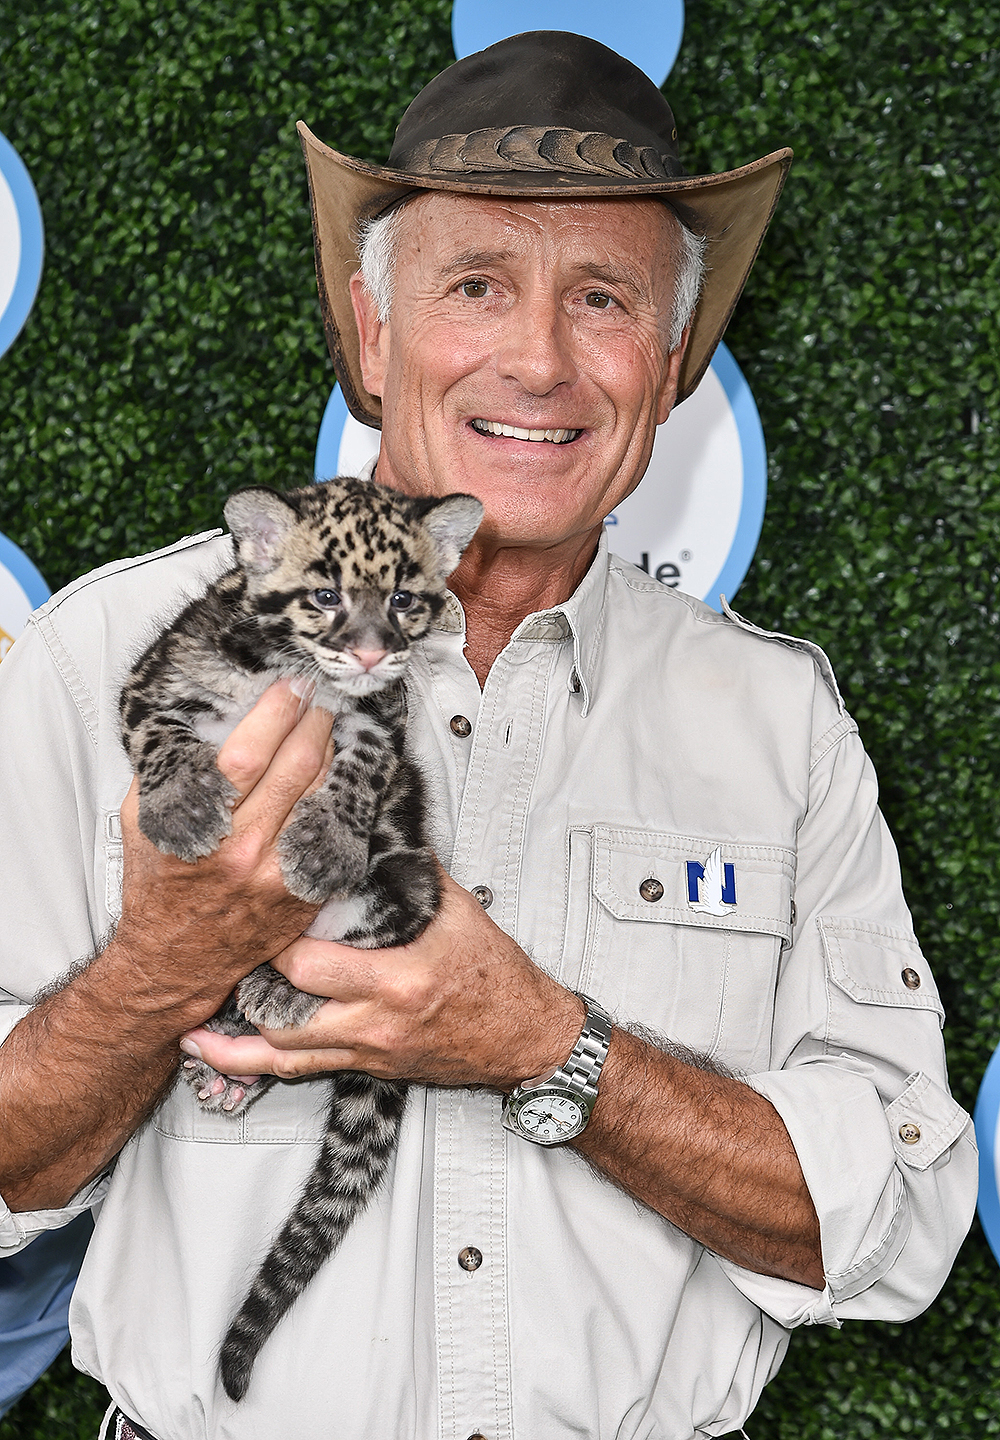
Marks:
<point>647,32</point>
<point>21,244</point>
<point>985,1119</point>
<point>22,589</point>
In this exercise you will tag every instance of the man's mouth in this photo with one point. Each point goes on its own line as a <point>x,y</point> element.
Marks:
<point>516,432</point>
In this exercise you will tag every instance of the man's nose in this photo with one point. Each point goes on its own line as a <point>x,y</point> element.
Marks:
<point>536,348</point>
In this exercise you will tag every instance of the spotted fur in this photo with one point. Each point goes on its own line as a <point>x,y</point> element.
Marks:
<point>327,578</point>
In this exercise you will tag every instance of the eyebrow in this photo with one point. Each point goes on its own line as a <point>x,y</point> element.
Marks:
<point>617,275</point>
<point>474,259</point>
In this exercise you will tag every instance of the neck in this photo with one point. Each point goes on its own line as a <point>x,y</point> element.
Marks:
<point>499,586</point>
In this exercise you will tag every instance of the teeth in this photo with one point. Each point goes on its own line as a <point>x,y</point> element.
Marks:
<point>514,432</point>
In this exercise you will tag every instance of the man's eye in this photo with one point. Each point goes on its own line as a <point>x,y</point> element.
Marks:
<point>474,289</point>
<point>597,300</point>
<point>325,599</point>
<point>401,600</point>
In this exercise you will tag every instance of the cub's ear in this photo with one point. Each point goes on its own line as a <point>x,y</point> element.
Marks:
<point>261,521</point>
<point>451,523</point>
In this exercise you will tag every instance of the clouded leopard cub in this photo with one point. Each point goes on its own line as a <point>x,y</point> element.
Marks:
<point>332,583</point>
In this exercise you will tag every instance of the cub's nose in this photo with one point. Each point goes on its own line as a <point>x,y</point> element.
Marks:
<point>368,659</point>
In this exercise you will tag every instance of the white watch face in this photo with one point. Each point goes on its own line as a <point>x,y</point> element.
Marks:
<point>551,1118</point>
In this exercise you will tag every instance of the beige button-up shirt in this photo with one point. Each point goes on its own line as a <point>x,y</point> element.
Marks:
<point>628,735</point>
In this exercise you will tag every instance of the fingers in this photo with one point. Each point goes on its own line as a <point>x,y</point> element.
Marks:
<point>252,1054</point>
<point>296,767</point>
<point>248,752</point>
<point>335,971</point>
<point>278,752</point>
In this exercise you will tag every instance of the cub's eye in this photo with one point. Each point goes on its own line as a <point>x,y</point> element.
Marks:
<point>474,289</point>
<point>597,300</point>
<point>401,600</point>
<point>325,599</point>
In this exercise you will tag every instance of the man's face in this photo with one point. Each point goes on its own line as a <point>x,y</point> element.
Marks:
<point>551,318</point>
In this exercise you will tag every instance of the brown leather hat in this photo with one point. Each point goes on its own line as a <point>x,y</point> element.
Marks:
<point>544,115</point>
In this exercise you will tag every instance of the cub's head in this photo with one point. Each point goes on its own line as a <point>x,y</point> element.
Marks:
<point>344,576</point>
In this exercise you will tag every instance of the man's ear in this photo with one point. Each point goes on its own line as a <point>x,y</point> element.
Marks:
<point>373,334</point>
<point>671,377</point>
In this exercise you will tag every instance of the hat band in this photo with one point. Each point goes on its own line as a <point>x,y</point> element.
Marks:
<point>535,147</point>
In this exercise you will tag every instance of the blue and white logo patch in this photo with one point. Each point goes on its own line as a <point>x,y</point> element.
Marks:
<point>711,888</point>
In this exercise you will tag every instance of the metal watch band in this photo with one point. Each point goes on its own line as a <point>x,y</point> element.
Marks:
<point>583,1068</point>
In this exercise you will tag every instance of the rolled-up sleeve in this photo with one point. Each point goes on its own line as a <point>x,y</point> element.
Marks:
<point>19,1228</point>
<point>858,1073</point>
<point>47,827</point>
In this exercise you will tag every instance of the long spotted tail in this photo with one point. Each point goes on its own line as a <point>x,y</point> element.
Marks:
<point>362,1126</point>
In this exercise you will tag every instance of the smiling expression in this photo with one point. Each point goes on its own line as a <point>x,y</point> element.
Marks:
<point>526,358</point>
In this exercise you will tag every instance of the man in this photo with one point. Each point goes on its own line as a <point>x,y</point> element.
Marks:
<point>638,801</point>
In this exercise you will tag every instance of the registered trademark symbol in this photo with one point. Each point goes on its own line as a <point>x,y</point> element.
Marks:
<point>685,556</point>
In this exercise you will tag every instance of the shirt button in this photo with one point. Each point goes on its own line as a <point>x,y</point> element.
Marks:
<point>460,725</point>
<point>911,979</point>
<point>470,1258</point>
<point>484,895</point>
<point>651,890</point>
<point>909,1133</point>
<point>477,1436</point>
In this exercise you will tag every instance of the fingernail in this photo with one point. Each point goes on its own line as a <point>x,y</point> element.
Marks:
<point>190,1048</point>
<point>302,686</point>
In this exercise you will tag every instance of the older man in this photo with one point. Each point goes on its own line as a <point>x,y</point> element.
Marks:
<point>638,801</point>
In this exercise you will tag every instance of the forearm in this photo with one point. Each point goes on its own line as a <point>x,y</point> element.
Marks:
<point>81,1072</point>
<point>709,1154</point>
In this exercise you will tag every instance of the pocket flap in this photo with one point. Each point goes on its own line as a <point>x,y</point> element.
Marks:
<point>878,965</point>
<point>689,880</point>
<point>925,1121</point>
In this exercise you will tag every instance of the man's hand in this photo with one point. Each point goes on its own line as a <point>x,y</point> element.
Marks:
<point>83,1069</point>
<point>461,1005</point>
<point>464,1005</point>
<point>190,932</point>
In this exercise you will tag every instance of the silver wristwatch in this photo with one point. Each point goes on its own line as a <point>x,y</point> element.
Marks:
<point>556,1107</point>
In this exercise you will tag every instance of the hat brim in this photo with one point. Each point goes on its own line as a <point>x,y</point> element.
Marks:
<point>732,210</point>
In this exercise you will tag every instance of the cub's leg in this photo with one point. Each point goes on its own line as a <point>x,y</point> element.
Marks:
<point>227,1094</point>
<point>325,848</point>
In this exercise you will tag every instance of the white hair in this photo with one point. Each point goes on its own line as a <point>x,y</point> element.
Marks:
<point>378,244</point>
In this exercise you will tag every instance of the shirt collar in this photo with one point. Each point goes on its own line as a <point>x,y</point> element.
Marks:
<point>581,618</point>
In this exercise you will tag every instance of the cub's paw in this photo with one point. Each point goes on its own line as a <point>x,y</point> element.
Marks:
<point>320,855</point>
<point>267,998</point>
<point>188,814</point>
<point>228,1094</point>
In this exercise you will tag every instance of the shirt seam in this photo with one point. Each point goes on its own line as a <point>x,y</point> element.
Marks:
<point>830,739</point>
<point>121,567</point>
<point>73,681</point>
<point>840,1279</point>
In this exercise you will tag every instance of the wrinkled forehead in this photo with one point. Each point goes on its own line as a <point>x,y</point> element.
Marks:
<point>437,229</point>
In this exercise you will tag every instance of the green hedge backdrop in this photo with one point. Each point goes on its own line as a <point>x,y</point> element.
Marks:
<point>175,353</point>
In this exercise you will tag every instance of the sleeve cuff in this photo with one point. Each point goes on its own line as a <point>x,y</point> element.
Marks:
<point>785,1301</point>
<point>10,1014</point>
<point>18,1229</point>
<point>838,1126</point>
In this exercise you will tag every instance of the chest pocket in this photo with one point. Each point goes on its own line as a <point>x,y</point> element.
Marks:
<point>641,935</point>
<point>290,1112</point>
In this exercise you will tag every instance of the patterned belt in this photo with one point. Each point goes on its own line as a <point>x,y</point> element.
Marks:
<point>122,1428</point>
